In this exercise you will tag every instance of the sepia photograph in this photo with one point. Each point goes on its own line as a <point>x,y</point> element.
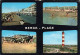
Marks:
<point>15,13</point>
<point>60,13</point>
<point>18,41</point>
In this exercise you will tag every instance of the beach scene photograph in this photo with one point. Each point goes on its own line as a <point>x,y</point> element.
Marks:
<point>18,41</point>
<point>60,13</point>
<point>60,41</point>
<point>18,13</point>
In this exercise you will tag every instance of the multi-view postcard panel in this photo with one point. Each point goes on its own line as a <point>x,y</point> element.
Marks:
<point>54,13</point>
<point>60,13</point>
<point>18,13</point>
<point>18,41</point>
<point>60,41</point>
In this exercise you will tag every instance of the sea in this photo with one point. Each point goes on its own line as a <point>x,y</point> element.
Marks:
<point>47,19</point>
<point>28,19</point>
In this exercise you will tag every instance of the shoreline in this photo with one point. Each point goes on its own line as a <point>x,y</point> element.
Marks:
<point>60,13</point>
<point>16,21</point>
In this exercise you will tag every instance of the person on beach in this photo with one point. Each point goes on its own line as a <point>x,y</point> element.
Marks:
<point>52,14</point>
<point>67,13</point>
<point>5,19</point>
<point>9,19</point>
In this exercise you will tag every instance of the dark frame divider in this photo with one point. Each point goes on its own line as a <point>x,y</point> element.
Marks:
<point>79,27</point>
<point>0,27</point>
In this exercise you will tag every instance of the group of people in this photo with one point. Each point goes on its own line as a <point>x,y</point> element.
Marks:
<point>67,13</point>
<point>7,18</point>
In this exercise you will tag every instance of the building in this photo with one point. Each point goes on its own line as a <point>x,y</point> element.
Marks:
<point>30,10</point>
<point>19,36</point>
<point>66,8</point>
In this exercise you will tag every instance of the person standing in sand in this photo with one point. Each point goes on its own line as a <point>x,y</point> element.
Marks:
<point>8,18</point>
<point>67,13</point>
<point>11,18</point>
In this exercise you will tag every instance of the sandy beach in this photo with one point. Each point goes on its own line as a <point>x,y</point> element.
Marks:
<point>15,21</point>
<point>18,48</point>
<point>61,13</point>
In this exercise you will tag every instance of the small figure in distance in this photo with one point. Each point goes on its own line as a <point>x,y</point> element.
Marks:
<point>52,15</point>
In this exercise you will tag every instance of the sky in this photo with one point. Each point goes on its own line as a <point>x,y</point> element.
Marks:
<point>59,4</point>
<point>10,33</point>
<point>12,7</point>
<point>55,37</point>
